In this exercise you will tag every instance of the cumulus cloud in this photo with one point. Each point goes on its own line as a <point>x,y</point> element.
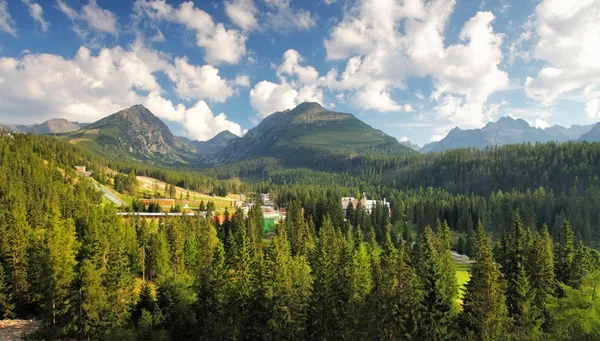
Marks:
<point>93,16</point>
<point>279,15</point>
<point>267,98</point>
<point>385,42</point>
<point>37,13</point>
<point>282,16</point>
<point>89,86</point>
<point>220,45</point>
<point>566,36</point>
<point>592,108</point>
<point>6,22</point>
<point>199,121</point>
<point>242,13</point>
<point>297,83</point>
<point>198,82</point>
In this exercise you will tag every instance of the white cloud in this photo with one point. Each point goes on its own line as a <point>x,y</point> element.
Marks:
<point>36,87</point>
<point>566,38</point>
<point>385,42</point>
<point>198,82</point>
<point>242,80</point>
<point>371,99</point>
<point>220,45</point>
<point>541,123</point>
<point>96,18</point>
<point>242,13</point>
<point>199,121</point>
<point>298,83</point>
<point>283,17</point>
<point>279,15</point>
<point>267,98</point>
<point>305,75</point>
<point>592,108</point>
<point>404,139</point>
<point>37,13</point>
<point>6,22</point>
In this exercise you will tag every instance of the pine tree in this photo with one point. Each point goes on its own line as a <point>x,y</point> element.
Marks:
<point>444,243</point>
<point>484,314</point>
<point>360,280</point>
<point>15,243</point>
<point>6,305</point>
<point>211,300</point>
<point>564,254</point>
<point>61,247</point>
<point>460,245</point>
<point>541,270</point>
<point>439,307</point>
<point>520,295</point>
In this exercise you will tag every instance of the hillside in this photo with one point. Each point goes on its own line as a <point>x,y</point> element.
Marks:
<point>309,129</point>
<point>506,131</point>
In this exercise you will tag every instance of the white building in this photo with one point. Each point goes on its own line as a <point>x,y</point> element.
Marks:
<point>367,205</point>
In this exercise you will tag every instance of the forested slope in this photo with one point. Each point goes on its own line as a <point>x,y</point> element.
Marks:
<point>90,274</point>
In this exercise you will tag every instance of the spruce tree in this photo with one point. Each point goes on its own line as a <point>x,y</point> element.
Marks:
<point>484,314</point>
<point>61,247</point>
<point>211,301</point>
<point>439,307</point>
<point>6,304</point>
<point>564,254</point>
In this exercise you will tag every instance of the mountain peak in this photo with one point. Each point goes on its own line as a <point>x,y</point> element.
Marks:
<point>305,106</point>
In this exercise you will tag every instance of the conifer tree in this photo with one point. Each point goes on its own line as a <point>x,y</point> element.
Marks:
<point>6,305</point>
<point>484,314</point>
<point>564,254</point>
<point>439,309</point>
<point>541,270</point>
<point>210,303</point>
<point>61,248</point>
<point>15,243</point>
<point>360,280</point>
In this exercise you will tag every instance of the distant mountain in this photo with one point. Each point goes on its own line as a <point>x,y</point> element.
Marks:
<point>411,145</point>
<point>506,131</point>
<point>52,126</point>
<point>135,133</point>
<point>309,130</point>
<point>592,135</point>
<point>215,144</point>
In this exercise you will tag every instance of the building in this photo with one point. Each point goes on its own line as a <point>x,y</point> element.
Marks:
<point>367,205</point>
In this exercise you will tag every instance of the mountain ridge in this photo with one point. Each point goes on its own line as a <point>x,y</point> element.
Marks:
<point>506,130</point>
<point>51,126</point>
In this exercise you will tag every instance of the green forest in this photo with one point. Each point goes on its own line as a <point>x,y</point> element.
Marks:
<point>529,213</point>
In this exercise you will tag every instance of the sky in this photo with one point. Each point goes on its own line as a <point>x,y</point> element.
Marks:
<point>412,68</point>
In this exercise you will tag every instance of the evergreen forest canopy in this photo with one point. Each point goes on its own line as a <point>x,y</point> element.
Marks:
<point>530,213</point>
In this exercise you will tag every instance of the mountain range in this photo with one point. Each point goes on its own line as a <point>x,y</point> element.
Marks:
<point>299,136</point>
<point>306,132</point>
<point>52,126</point>
<point>508,130</point>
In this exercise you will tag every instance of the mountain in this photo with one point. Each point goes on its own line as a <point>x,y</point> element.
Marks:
<point>134,133</point>
<point>215,144</point>
<point>411,145</point>
<point>52,126</point>
<point>592,135</point>
<point>506,131</point>
<point>309,131</point>
<point>56,126</point>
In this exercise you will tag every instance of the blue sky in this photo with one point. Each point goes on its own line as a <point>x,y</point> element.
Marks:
<point>413,68</point>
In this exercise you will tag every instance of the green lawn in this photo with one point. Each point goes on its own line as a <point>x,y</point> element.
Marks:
<point>462,276</point>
